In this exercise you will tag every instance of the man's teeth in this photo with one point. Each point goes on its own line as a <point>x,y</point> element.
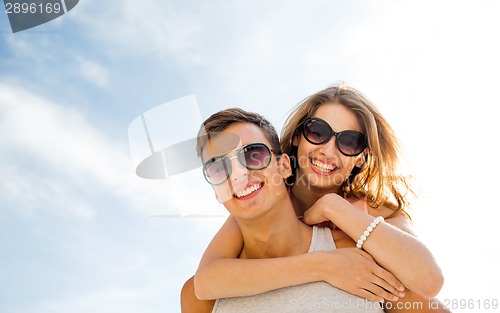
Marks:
<point>322,166</point>
<point>248,190</point>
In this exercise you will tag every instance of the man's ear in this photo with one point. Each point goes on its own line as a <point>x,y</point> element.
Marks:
<point>285,167</point>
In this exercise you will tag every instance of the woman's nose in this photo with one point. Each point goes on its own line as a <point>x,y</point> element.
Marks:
<point>329,148</point>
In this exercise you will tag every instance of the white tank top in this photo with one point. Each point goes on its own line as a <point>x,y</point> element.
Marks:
<point>317,297</point>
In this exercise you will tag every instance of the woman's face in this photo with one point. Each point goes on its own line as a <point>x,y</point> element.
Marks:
<point>324,166</point>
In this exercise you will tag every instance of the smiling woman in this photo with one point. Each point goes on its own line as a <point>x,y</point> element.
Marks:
<point>351,142</point>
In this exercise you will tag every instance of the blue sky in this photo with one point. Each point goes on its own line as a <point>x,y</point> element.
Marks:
<point>80,232</point>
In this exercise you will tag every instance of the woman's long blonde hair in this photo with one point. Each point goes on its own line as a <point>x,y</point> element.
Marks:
<point>378,179</point>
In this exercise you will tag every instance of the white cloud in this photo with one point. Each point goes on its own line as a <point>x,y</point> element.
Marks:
<point>56,159</point>
<point>73,190</point>
<point>58,139</point>
<point>142,28</point>
<point>230,52</point>
<point>94,72</point>
<point>131,300</point>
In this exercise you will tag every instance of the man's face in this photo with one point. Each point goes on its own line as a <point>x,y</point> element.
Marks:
<point>247,193</point>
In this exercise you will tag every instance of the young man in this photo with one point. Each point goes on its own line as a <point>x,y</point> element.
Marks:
<point>243,162</point>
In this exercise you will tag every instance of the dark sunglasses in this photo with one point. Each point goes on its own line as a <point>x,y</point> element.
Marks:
<point>255,157</point>
<point>318,132</point>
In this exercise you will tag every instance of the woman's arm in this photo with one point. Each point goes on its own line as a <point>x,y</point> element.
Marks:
<point>396,250</point>
<point>222,275</point>
<point>414,303</point>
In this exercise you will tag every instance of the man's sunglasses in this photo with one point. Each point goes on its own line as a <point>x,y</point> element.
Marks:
<point>349,142</point>
<point>255,157</point>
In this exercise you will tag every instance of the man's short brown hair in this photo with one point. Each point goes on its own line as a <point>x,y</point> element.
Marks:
<point>221,120</point>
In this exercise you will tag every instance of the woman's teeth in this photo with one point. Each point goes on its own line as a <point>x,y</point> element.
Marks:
<point>245,192</point>
<point>322,166</point>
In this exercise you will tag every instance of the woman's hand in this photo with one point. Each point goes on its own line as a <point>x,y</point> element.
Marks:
<point>319,212</point>
<point>355,271</point>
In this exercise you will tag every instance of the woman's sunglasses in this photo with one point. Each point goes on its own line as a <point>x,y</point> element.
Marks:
<point>318,132</point>
<point>255,157</point>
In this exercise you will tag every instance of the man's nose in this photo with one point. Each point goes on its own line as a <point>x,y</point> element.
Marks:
<point>239,172</point>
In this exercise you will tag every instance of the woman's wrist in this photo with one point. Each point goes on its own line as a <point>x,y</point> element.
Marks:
<point>335,211</point>
<point>329,205</point>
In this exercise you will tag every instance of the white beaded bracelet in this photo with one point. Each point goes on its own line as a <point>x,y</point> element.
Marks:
<point>368,230</point>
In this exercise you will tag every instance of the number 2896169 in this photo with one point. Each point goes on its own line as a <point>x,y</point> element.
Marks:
<point>32,8</point>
